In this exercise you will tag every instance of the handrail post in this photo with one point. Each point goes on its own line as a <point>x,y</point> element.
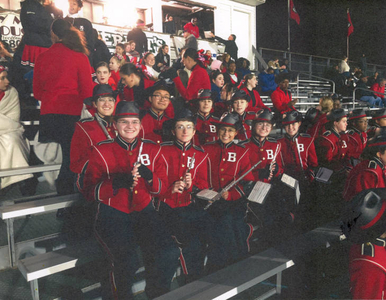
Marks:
<point>310,65</point>
<point>297,84</point>
<point>353,98</point>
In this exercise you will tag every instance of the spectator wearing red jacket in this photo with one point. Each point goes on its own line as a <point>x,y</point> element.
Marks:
<point>192,28</point>
<point>281,97</point>
<point>199,79</point>
<point>379,88</point>
<point>61,85</point>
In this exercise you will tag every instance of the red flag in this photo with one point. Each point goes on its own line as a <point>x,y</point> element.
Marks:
<point>350,27</point>
<point>293,13</point>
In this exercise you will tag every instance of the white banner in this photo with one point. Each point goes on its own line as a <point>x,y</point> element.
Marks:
<point>114,35</point>
<point>10,28</point>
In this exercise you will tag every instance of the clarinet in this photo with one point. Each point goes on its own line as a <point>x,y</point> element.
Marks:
<point>231,185</point>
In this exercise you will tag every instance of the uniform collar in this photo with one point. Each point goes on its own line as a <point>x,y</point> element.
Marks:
<point>335,132</point>
<point>225,146</point>
<point>292,138</point>
<point>155,116</point>
<point>200,116</point>
<point>183,147</point>
<point>379,162</point>
<point>125,145</point>
<point>257,141</point>
<point>100,119</point>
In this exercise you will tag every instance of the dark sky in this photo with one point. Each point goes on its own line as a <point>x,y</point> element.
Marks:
<point>323,28</point>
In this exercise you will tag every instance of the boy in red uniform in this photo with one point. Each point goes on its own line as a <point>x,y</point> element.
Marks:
<point>90,131</point>
<point>357,136</point>
<point>205,122</point>
<point>364,223</point>
<point>370,172</point>
<point>122,176</point>
<point>240,102</point>
<point>297,153</point>
<point>187,171</point>
<point>264,148</point>
<point>227,162</point>
<point>155,116</point>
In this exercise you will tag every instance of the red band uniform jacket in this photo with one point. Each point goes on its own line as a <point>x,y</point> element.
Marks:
<point>88,133</point>
<point>227,163</point>
<point>357,142</point>
<point>366,175</point>
<point>245,132</point>
<point>179,158</point>
<point>264,151</point>
<point>332,150</point>
<point>152,126</point>
<point>206,130</point>
<point>114,157</point>
<point>298,155</point>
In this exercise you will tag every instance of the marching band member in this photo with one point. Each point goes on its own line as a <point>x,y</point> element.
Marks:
<point>122,176</point>
<point>364,223</point>
<point>90,131</point>
<point>187,171</point>
<point>370,172</point>
<point>332,145</point>
<point>357,136</point>
<point>240,102</point>
<point>378,120</point>
<point>227,162</point>
<point>297,153</point>
<point>264,148</point>
<point>205,128</point>
<point>156,115</point>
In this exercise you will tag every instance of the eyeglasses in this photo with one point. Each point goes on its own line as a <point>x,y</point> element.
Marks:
<point>134,122</point>
<point>158,97</point>
<point>182,127</point>
<point>104,100</point>
<point>263,124</point>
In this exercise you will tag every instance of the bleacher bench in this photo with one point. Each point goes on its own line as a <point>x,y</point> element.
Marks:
<point>10,212</point>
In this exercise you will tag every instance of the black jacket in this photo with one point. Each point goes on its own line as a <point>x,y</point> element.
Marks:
<point>140,39</point>
<point>230,47</point>
<point>36,21</point>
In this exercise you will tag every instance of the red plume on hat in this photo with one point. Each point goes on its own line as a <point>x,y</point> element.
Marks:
<point>3,68</point>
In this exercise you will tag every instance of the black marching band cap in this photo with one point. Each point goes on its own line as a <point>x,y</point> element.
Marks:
<point>231,119</point>
<point>378,140</point>
<point>356,114</point>
<point>160,84</point>
<point>364,217</point>
<point>379,113</point>
<point>265,116</point>
<point>169,125</point>
<point>292,116</point>
<point>336,114</point>
<point>240,95</point>
<point>100,90</point>
<point>126,109</point>
<point>311,115</point>
<point>281,77</point>
<point>204,95</point>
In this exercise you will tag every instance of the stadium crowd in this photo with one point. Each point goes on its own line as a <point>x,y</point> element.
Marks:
<point>158,149</point>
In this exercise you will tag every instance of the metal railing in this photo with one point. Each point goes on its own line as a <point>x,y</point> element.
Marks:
<point>354,94</point>
<point>313,76</point>
<point>312,64</point>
